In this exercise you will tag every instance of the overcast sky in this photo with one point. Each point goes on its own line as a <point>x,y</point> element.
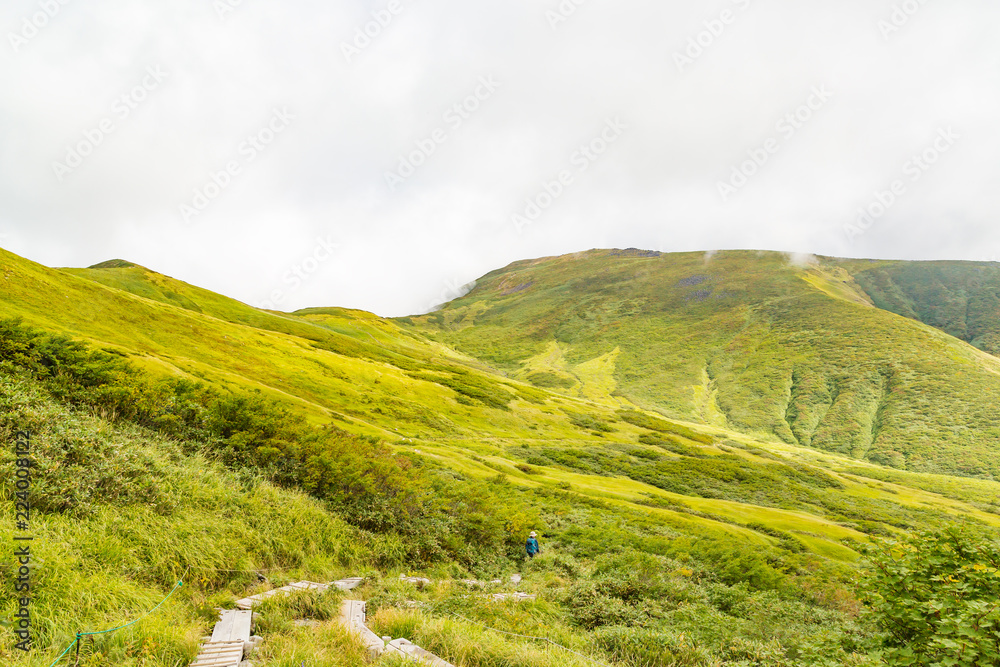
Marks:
<point>381,154</point>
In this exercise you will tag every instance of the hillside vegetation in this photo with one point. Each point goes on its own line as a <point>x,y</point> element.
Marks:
<point>752,342</point>
<point>121,513</point>
<point>960,298</point>
<point>707,447</point>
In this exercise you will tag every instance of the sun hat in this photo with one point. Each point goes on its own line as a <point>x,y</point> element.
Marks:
<point>532,534</point>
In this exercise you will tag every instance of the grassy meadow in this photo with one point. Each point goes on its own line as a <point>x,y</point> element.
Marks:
<point>707,447</point>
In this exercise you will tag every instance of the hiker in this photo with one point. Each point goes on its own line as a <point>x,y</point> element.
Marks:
<point>532,545</point>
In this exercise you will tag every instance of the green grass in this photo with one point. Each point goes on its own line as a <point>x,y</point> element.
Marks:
<point>960,298</point>
<point>118,549</point>
<point>744,421</point>
<point>749,340</point>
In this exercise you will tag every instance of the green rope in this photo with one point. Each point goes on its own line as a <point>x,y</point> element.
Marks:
<point>121,627</point>
<point>65,652</point>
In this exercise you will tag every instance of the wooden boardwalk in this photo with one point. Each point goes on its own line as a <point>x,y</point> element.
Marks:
<point>225,647</point>
<point>219,655</point>
<point>417,654</point>
<point>231,636</point>
<point>342,584</point>
<point>233,626</point>
<point>352,614</point>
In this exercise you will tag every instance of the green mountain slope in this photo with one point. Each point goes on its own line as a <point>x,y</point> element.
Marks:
<point>706,430</point>
<point>494,407</point>
<point>960,298</point>
<point>364,372</point>
<point>745,340</point>
<point>687,343</point>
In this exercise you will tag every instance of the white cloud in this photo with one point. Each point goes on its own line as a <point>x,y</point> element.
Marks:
<point>324,177</point>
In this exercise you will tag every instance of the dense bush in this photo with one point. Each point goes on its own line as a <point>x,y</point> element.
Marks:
<point>643,420</point>
<point>358,476</point>
<point>588,422</point>
<point>550,380</point>
<point>937,598</point>
<point>652,648</point>
<point>469,387</point>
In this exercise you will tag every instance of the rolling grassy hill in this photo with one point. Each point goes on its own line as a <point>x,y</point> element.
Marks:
<point>567,366</point>
<point>753,342</point>
<point>754,419</point>
<point>960,298</point>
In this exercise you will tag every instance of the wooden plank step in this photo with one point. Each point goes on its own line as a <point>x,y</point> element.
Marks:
<point>347,584</point>
<point>219,654</point>
<point>230,660</point>
<point>416,653</point>
<point>352,615</point>
<point>517,597</point>
<point>308,586</point>
<point>249,602</point>
<point>476,583</point>
<point>344,584</point>
<point>234,626</point>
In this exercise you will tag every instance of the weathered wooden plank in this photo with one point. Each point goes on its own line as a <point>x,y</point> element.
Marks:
<point>232,660</point>
<point>348,584</point>
<point>224,627</point>
<point>418,654</point>
<point>251,601</point>
<point>219,654</point>
<point>241,626</point>
<point>475,583</point>
<point>313,586</point>
<point>343,584</point>
<point>352,615</point>
<point>234,626</point>
<point>219,647</point>
<point>516,597</point>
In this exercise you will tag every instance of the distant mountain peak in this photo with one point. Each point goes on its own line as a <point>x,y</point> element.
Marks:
<point>113,264</point>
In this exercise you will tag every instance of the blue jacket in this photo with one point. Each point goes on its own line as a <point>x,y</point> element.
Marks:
<point>532,546</point>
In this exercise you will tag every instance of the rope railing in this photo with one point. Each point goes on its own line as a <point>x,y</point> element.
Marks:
<point>80,635</point>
